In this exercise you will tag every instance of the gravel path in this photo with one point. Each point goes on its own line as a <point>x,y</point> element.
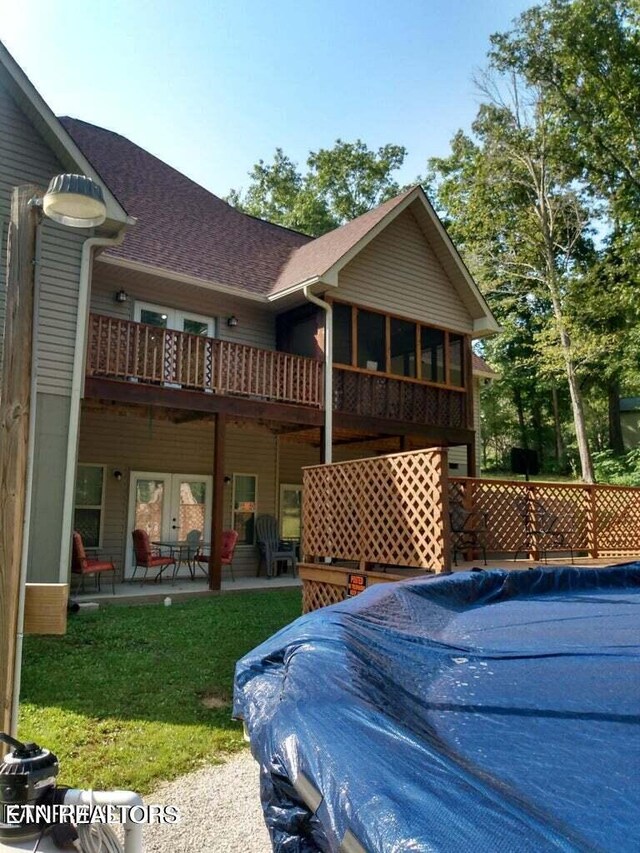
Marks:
<point>220,811</point>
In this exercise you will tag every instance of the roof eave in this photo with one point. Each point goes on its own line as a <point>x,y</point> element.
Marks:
<point>55,134</point>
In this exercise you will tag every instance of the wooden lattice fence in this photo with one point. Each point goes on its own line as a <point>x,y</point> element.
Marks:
<point>595,519</point>
<point>389,510</point>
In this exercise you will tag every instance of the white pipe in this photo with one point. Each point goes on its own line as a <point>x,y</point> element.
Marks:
<point>328,371</point>
<point>77,384</point>
<point>24,560</point>
<point>126,799</point>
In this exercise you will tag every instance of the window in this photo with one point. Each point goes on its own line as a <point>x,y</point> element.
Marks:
<point>371,341</point>
<point>89,503</point>
<point>245,487</point>
<point>432,354</point>
<point>456,373</point>
<point>290,511</point>
<point>172,318</point>
<point>402,347</point>
<point>342,334</point>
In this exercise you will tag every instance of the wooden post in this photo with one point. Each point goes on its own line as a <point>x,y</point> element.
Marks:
<point>14,426</point>
<point>471,460</point>
<point>444,503</point>
<point>592,520</point>
<point>217,511</point>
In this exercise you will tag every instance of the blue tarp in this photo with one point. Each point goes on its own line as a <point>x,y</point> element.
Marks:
<point>480,711</point>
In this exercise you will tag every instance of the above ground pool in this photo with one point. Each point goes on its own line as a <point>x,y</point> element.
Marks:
<point>482,711</point>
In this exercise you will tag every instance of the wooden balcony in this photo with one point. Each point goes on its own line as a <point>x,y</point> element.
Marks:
<point>124,350</point>
<point>372,395</point>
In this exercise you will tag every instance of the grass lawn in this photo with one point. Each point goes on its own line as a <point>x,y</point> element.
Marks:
<point>124,699</point>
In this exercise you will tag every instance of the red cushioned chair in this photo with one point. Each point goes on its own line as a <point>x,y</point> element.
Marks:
<point>146,558</point>
<point>83,565</point>
<point>229,542</point>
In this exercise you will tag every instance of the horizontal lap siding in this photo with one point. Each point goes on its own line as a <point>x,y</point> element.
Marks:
<point>60,255</point>
<point>256,324</point>
<point>131,443</point>
<point>26,159</point>
<point>398,272</point>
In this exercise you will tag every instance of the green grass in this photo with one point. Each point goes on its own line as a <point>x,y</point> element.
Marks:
<point>119,697</point>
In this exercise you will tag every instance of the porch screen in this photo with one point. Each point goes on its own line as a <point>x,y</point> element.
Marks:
<point>244,507</point>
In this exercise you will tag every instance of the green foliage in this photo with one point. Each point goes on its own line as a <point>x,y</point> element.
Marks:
<point>119,698</point>
<point>618,470</point>
<point>340,183</point>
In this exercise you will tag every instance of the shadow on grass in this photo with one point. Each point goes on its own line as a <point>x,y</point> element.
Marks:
<point>164,664</point>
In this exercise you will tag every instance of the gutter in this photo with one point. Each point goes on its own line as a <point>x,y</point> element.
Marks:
<point>77,386</point>
<point>328,371</point>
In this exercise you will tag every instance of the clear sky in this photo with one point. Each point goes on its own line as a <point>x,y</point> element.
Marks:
<point>211,86</point>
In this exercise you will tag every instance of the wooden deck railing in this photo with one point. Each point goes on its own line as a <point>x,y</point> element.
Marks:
<point>394,510</point>
<point>369,394</point>
<point>122,349</point>
<point>600,520</point>
<point>388,510</point>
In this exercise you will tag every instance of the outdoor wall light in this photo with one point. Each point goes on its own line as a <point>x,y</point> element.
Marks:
<point>117,475</point>
<point>232,321</point>
<point>74,200</point>
<point>122,296</point>
<point>226,481</point>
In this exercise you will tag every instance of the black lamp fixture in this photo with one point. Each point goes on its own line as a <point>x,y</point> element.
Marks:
<point>226,480</point>
<point>117,474</point>
<point>232,321</point>
<point>122,296</point>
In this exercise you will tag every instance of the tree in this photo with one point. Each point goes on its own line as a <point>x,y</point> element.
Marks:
<point>340,183</point>
<point>521,217</point>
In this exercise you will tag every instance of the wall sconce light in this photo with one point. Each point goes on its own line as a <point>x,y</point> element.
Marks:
<point>117,475</point>
<point>226,481</point>
<point>232,321</point>
<point>122,296</point>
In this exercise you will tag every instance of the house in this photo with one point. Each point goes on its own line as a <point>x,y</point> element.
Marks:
<point>182,386</point>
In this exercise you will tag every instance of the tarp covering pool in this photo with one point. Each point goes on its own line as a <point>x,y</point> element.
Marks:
<point>481,711</point>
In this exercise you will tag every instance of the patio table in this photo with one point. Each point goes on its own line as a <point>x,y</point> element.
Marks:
<point>182,551</point>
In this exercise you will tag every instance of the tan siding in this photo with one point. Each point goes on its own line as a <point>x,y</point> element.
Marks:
<point>458,456</point>
<point>60,254</point>
<point>25,158</point>
<point>131,443</point>
<point>256,324</point>
<point>399,272</point>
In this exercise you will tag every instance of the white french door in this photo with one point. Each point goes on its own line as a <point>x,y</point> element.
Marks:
<point>169,507</point>
<point>172,318</point>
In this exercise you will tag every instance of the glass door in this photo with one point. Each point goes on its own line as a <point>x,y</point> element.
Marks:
<point>149,509</point>
<point>169,507</point>
<point>290,511</point>
<point>191,508</point>
<point>182,365</point>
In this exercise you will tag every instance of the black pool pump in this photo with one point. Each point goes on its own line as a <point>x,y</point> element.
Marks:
<point>27,778</point>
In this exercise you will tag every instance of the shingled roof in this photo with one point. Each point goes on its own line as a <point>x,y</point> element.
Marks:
<point>182,227</point>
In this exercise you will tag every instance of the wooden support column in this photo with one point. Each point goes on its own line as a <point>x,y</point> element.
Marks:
<point>15,405</point>
<point>471,460</point>
<point>217,511</point>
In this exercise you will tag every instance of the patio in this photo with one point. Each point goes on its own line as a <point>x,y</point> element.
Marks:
<point>183,589</point>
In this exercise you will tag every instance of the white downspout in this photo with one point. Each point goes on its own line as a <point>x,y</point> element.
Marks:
<point>328,371</point>
<point>77,385</point>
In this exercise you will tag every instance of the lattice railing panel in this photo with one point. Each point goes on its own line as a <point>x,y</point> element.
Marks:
<point>387,510</point>
<point>618,513</point>
<point>317,594</point>
<point>601,520</point>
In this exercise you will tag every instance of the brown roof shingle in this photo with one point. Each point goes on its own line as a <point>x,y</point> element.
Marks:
<point>182,227</point>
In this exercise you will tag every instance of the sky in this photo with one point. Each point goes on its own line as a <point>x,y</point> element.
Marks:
<point>212,86</point>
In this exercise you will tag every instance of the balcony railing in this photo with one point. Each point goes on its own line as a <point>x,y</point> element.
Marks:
<point>122,349</point>
<point>358,392</point>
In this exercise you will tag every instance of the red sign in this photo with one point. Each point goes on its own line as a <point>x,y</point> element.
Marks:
<point>356,584</point>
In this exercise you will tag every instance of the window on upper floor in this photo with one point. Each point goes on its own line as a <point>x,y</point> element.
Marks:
<point>374,341</point>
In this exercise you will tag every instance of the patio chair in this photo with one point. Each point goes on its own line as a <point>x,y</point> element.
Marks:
<point>83,565</point>
<point>468,530</point>
<point>146,558</point>
<point>541,531</point>
<point>272,549</point>
<point>229,542</point>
